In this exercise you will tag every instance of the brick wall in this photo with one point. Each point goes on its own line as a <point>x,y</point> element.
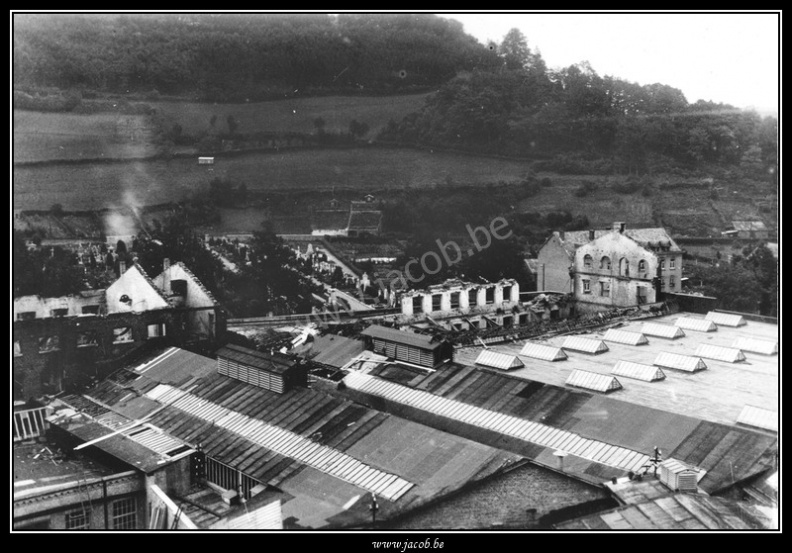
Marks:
<point>37,372</point>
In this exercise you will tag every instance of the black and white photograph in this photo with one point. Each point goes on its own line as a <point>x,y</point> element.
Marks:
<point>404,278</point>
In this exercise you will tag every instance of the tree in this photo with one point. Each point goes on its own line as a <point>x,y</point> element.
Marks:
<point>51,272</point>
<point>358,130</point>
<point>514,50</point>
<point>735,286</point>
<point>178,241</point>
<point>232,124</point>
<point>502,259</point>
<point>242,192</point>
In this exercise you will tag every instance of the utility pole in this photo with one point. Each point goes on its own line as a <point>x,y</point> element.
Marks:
<point>374,508</point>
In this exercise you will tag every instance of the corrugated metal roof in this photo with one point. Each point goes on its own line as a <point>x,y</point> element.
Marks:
<point>676,512</point>
<point>720,353</point>
<point>401,337</point>
<point>497,360</point>
<point>593,381</point>
<point>533,432</point>
<point>680,362</point>
<point>638,371</point>
<point>662,330</point>
<point>758,417</point>
<point>264,361</point>
<point>625,337</point>
<point>725,319</point>
<point>542,351</point>
<point>756,346</point>
<point>176,365</point>
<point>284,442</point>
<point>700,325</point>
<point>154,439</point>
<point>586,345</point>
<point>729,454</point>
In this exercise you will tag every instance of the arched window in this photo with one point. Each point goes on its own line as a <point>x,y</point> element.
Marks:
<point>642,266</point>
<point>624,267</point>
<point>605,263</point>
<point>587,261</point>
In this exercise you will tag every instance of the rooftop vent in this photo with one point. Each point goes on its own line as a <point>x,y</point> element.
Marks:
<point>638,371</point>
<point>680,362</point>
<point>490,358</point>
<point>625,337</point>
<point>541,351</point>
<point>585,345</point>
<point>700,325</point>
<point>593,381</point>
<point>725,319</point>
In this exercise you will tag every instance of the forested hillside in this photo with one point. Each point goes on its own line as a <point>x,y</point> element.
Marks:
<point>231,57</point>
<point>581,122</point>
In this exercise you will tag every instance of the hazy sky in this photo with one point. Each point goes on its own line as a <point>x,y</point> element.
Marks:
<point>729,58</point>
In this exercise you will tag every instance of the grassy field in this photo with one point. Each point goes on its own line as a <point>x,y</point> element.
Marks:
<point>49,136</point>
<point>313,176</point>
<point>290,115</point>
<point>42,136</point>
<point>97,185</point>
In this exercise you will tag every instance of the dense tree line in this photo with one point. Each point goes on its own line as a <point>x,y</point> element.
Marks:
<point>747,282</point>
<point>575,120</point>
<point>47,272</point>
<point>241,56</point>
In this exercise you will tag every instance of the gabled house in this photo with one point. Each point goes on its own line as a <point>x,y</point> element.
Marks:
<point>556,259</point>
<point>58,342</point>
<point>615,271</point>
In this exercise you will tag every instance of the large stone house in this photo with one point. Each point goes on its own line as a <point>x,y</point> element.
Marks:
<point>555,267</point>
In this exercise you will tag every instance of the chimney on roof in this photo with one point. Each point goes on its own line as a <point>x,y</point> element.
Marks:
<point>121,268</point>
<point>561,234</point>
<point>166,284</point>
<point>619,226</point>
<point>591,234</point>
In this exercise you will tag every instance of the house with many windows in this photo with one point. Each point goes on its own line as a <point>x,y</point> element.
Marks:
<point>556,263</point>
<point>615,271</point>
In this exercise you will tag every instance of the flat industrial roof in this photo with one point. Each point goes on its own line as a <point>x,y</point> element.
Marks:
<point>717,394</point>
<point>274,363</point>
<point>422,341</point>
<point>42,464</point>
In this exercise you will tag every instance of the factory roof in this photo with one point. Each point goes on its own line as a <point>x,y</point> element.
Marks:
<point>422,341</point>
<point>676,512</point>
<point>328,454</point>
<point>717,394</point>
<point>270,362</point>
